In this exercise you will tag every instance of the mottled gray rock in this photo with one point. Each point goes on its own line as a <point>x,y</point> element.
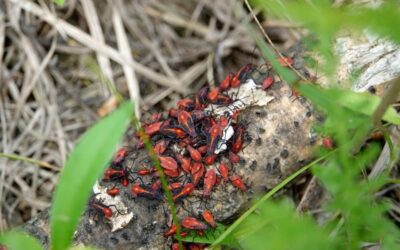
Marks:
<point>279,140</point>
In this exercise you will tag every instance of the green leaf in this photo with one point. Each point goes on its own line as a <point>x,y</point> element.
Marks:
<point>84,166</point>
<point>268,195</point>
<point>210,235</point>
<point>15,240</point>
<point>277,226</point>
<point>363,103</point>
<point>59,2</point>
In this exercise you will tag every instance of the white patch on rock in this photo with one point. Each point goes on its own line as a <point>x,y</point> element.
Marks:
<point>120,218</point>
<point>373,61</point>
<point>227,134</point>
<point>247,95</point>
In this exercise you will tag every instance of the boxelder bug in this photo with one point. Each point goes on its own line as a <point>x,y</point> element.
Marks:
<point>185,104</point>
<point>224,170</point>
<point>160,147</point>
<point>106,211</point>
<point>241,75</point>
<point>225,84</point>
<point>187,190</point>
<point>141,190</point>
<point>194,153</point>
<point>152,128</point>
<point>210,159</point>
<point>186,122</point>
<point>185,163</point>
<point>209,181</point>
<point>285,61</point>
<point>113,191</point>
<point>237,182</point>
<point>170,231</point>
<point>119,156</point>
<point>212,95</point>
<point>197,172</point>
<point>209,218</point>
<point>268,81</point>
<point>238,139</point>
<point>193,224</point>
<point>168,162</point>
<point>215,136</point>
<point>233,158</point>
<point>327,143</point>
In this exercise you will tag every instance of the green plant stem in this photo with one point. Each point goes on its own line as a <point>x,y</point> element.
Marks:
<point>389,97</point>
<point>42,164</point>
<point>155,160</point>
<point>266,197</point>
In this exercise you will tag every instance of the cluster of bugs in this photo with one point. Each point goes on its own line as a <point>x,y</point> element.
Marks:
<point>196,149</point>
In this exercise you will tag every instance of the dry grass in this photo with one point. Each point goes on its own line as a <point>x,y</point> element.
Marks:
<point>54,62</point>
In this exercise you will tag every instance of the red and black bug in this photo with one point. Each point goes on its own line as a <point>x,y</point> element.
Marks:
<point>160,147</point>
<point>185,104</point>
<point>193,224</point>
<point>172,173</point>
<point>210,159</point>
<point>175,185</point>
<point>214,137</point>
<point>141,190</point>
<point>209,181</point>
<point>237,182</point>
<point>173,113</point>
<point>170,231</point>
<point>233,158</point>
<point>152,128</point>
<point>146,171</point>
<point>102,209</point>
<point>212,95</point>
<point>241,75</point>
<point>209,218</point>
<point>268,81</point>
<point>117,174</point>
<point>197,172</point>
<point>226,83</point>
<point>238,138</point>
<point>114,191</point>
<point>327,143</point>
<point>285,61</point>
<point>194,153</point>
<point>119,156</point>
<point>173,132</point>
<point>186,122</point>
<point>185,163</point>
<point>168,163</point>
<point>187,190</point>
<point>224,170</point>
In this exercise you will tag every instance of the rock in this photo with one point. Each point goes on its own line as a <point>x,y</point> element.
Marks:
<point>279,140</point>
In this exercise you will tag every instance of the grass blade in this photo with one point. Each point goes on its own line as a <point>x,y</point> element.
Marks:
<point>85,164</point>
<point>363,103</point>
<point>15,240</point>
<point>278,187</point>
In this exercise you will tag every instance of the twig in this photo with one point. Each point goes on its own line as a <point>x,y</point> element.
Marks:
<point>123,46</point>
<point>42,164</point>
<point>270,41</point>
<point>82,37</point>
<point>97,33</point>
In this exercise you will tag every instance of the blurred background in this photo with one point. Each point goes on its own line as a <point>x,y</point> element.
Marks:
<point>59,65</point>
